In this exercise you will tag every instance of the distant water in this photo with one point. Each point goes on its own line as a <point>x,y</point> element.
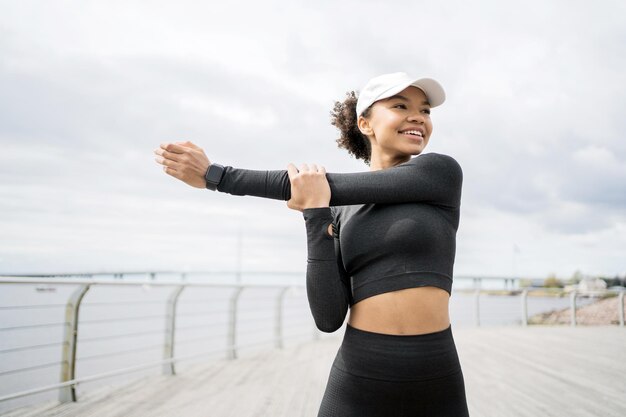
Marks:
<point>121,327</point>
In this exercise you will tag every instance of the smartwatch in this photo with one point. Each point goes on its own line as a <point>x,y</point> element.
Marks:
<point>213,176</point>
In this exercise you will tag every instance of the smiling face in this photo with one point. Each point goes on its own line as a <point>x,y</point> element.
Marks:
<point>398,126</point>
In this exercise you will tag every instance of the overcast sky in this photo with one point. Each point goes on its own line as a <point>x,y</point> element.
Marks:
<point>535,116</point>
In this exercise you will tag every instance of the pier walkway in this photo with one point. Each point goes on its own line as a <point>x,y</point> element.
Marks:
<point>536,371</point>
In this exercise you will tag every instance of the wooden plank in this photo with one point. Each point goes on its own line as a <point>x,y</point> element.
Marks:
<point>544,371</point>
<point>509,371</point>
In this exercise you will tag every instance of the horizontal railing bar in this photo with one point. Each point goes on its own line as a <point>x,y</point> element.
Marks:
<point>31,368</point>
<point>203,301</point>
<point>200,326</point>
<point>551,291</point>
<point>150,273</point>
<point>265,297</point>
<point>197,339</point>
<point>264,309</point>
<point>202,313</point>
<point>32,326</point>
<point>32,306</point>
<point>119,336</point>
<point>261,319</point>
<point>130,283</point>
<point>30,347</point>
<point>261,315</point>
<point>36,391</point>
<point>119,352</point>
<point>119,319</point>
<point>131,302</point>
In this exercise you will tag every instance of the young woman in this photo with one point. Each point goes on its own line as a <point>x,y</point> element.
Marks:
<point>380,244</point>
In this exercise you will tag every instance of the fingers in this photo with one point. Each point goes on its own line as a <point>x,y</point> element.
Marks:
<point>167,155</point>
<point>318,170</point>
<point>167,159</point>
<point>188,144</point>
<point>167,162</point>
<point>172,172</point>
<point>309,187</point>
<point>173,147</point>
<point>292,171</point>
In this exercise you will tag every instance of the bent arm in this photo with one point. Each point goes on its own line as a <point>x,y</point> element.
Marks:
<point>430,178</point>
<point>326,280</point>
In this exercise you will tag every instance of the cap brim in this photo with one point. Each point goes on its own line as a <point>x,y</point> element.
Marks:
<point>433,90</point>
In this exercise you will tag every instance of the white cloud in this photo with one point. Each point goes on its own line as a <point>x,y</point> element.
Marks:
<point>597,157</point>
<point>536,94</point>
<point>233,112</point>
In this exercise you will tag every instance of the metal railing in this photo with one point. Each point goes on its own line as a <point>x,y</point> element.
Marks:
<point>171,319</point>
<point>68,361</point>
<point>573,296</point>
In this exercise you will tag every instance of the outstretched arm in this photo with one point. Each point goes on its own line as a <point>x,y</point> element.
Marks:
<point>431,178</point>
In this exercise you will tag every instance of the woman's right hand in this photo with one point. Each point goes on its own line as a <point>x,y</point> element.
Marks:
<point>309,187</point>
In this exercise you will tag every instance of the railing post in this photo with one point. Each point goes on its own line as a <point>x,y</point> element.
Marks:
<point>620,300</point>
<point>572,299</point>
<point>70,339</point>
<point>232,324</point>
<point>525,307</point>
<point>278,324</point>
<point>170,330</point>
<point>477,307</point>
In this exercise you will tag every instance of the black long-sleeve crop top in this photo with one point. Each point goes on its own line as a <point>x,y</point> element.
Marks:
<point>392,229</point>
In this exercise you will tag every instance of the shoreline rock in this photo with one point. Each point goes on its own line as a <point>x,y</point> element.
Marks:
<point>601,312</point>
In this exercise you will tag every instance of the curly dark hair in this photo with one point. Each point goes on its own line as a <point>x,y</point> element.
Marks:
<point>343,117</point>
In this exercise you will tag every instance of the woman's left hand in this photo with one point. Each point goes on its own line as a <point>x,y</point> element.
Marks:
<point>185,161</point>
<point>309,187</point>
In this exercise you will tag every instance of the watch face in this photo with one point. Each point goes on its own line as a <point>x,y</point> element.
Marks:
<point>214,174</point>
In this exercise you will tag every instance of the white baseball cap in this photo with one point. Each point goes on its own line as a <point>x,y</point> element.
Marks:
<point>386,85</point>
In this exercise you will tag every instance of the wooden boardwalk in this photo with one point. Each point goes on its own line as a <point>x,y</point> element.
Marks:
<point>509,371</point>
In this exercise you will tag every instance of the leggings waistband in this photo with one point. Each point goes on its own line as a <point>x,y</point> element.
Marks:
<point>398,357</point>
<point>412,337</point>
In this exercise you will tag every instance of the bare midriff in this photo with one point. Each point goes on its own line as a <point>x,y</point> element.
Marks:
<point>405,312</point>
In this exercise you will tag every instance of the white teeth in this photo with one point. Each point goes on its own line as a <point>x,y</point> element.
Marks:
<point>414,132</point>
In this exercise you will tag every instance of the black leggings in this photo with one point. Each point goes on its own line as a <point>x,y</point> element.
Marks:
<point>395,376</point>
